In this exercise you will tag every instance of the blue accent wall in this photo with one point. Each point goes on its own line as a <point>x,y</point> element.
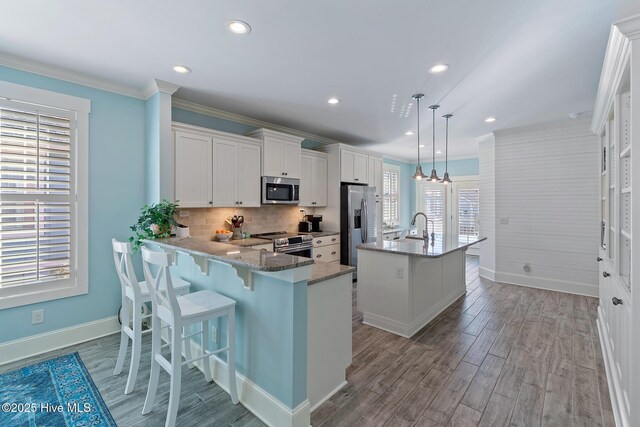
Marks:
<point>116,193</point>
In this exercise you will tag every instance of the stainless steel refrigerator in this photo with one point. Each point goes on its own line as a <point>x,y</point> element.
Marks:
<point>357,221</point>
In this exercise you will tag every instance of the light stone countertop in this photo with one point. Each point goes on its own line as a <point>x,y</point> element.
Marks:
<point>416,247</point>
<point>252,259</point>
<point>249,241</point>
<point>328,270</point>
<point>321,233</point>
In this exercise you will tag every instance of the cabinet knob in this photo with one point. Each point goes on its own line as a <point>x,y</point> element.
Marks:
<point>319,256</point>
<point>211,202</point>
<point>240,203</point>
<point>616,301</point>
<point>333,253</point>
<point>318,241</point>
<point>333,239</point>
<point>598,259</point>
<point>605,274</point>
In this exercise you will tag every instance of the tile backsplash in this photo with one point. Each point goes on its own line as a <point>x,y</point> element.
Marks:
<point>204,221</point>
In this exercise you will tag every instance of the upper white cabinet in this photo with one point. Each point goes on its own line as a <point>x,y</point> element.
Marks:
<point>614,119</point>
<point>280,153</point>
<point>216,169</point>
<point>313,179</point>
<point>193,169</point>
<point>353,166</point>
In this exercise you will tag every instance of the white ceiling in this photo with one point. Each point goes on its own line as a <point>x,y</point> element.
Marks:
<point>521,61</point>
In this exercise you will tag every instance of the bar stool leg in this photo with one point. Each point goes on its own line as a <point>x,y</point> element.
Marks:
<point>206,365</point>
<point>124,338</point>
<point>176,376</point>
<point>187,347</point>
<point>231,354</point>
<point>136,347</point>
<point>155,366</point>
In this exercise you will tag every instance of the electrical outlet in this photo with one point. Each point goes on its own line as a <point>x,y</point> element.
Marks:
<point>37,316</point>
<point>399,272</point>
<point>214,335</point>
<point>184,214</point>
<point>504,220</point>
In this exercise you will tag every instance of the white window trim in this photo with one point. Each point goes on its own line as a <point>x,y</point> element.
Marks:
<point>397,169</point>
<point>82,107</point>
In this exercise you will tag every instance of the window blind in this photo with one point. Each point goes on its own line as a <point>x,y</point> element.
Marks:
<point>36,197</point>
<point>434,208</point>
<point>391,190</point>
<point>468,211</point>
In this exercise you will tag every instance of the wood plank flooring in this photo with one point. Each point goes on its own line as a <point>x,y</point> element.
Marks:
<point>502,355</point>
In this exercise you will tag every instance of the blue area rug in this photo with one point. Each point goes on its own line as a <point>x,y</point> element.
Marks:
<point>58,392</point>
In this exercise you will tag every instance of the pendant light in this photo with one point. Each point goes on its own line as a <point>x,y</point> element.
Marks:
<point>434,174</point>
<point>446,180</point>
<point>418,175</point>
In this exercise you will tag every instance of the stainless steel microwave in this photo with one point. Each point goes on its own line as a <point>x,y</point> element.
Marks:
<point>280,191</point>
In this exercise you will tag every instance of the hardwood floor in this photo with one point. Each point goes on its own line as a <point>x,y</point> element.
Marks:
<point>501,355</point>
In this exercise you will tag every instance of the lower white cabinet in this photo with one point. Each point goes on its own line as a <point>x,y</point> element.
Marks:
<point>327,248</point>
<point>216,169</point>
<point>313,179</point>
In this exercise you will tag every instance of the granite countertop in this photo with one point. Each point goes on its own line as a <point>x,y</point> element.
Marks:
<point>250,241</point>
<point>416,247</point>
<point>328,270</point>
<point>252,259</point>
<point>321,233</point>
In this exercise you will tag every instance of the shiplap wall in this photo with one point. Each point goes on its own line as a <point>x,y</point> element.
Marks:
<point>487,185</point>
<point>546,205</point>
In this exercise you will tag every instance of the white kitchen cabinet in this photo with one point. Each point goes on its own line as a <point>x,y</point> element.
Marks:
<point>280,153</point>
<point>236,174</point>
<point>193,163</point>
<point>313,179</point>
<point>326,248</point>
<point>353,166</point>
<point>216,169</point>
<point>618,314</point>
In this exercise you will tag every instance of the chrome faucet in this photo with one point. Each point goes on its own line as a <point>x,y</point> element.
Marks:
<point>425,232</point>
<point>433,234</point>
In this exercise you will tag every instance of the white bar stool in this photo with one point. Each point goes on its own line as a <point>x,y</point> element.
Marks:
<point>179,312</point>
<point>134,294</point>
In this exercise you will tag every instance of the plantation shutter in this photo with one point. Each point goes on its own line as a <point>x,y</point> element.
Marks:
<point>36,193</point>
<point>468,210</point>
<point>390,202</point>
<point>434,207</point>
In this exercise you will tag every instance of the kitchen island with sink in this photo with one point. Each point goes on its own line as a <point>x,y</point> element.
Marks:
<point>404,284</point>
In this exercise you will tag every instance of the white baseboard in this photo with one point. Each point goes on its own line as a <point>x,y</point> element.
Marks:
<point>408,330</point>
<point>487,274</point>
<point>259,402</point>
<point>12,351</point>
<point>615,388</point>
<point>544,283</point>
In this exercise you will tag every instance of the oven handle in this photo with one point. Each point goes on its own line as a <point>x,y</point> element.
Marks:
<point>288,249</point>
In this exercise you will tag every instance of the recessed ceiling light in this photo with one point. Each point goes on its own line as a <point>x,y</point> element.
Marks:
<point>439,152</point>
<point>333,101</point>
<point>438,68</point>
<point>409,132</point>
<point>490,119</point>
<point>574,115</point>
<point>421,145</point>
<point>182,69</point>
<point>239,27</point>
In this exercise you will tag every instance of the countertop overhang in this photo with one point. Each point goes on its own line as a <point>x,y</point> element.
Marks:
<point>416,247</point>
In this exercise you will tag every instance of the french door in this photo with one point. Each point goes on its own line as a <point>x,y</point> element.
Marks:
<point>454,209</point>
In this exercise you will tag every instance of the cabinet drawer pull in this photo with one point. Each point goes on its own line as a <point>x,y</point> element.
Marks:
<point>598,259</point>
<point>211,202</point>
<point>356,179</point>
<point>605,274</point>
<point>616,301</point>
<point>240,202</point>
<point>318,241</point>
<point>319,256</point>
<point>333,253</point>
<point>333,240</point>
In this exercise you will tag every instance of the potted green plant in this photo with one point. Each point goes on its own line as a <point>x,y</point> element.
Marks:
<point>155,222</point>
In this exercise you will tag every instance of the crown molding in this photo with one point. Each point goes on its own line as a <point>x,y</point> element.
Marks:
<point>613,68</point>
<point>214,112</point>
<point>154,86</point>
<point>630,27</point>
<point>40,68</point>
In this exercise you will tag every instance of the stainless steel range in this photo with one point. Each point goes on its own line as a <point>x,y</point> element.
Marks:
<point>288,243</point>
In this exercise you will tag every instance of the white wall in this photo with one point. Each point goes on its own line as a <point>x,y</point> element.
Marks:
<point>546,206</point>
<point>487,185</point>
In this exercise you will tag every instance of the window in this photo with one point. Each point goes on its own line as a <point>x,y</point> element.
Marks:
<point>391,194</point>
<point>42,211</point>
<point>434,206</point>
<point>468,211</point>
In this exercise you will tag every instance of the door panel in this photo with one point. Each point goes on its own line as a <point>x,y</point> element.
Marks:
<point>225,173</point>
<point>272,161</point>
<point>193,170</point>
<point>249,175</point>
<point>291,156</point>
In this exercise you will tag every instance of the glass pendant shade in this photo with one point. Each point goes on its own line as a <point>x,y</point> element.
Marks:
<point>418,175</point>
<point>446,180</point>
<point>434,175</point>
